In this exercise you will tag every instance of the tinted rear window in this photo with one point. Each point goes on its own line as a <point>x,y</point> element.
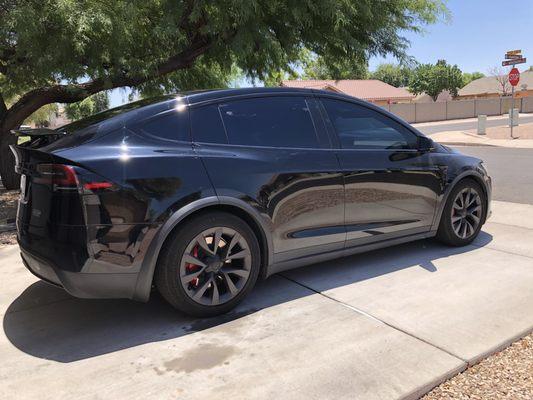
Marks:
<point>112,112</point>
<point>207,126</point>
<point>172,125</point>
<point>269,121</point>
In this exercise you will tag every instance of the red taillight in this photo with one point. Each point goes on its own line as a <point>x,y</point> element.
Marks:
<point>59,175</point>
<point>97,185</point>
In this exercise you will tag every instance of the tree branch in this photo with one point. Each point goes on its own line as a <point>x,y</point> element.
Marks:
<point>35,99</point>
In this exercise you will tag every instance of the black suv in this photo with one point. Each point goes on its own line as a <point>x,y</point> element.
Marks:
<point>202,193</point>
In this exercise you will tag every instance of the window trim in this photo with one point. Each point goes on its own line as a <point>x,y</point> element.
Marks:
<point>335,136</point>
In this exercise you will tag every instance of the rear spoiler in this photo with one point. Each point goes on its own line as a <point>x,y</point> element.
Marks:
<point>38,137</point>
<point>36,132</point>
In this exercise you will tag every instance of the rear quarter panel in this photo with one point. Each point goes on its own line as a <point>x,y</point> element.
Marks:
<point>152,178</point>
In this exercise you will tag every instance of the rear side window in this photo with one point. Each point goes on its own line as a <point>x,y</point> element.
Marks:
<point>269,122</point>
<point>359,127</point>
<point>207,126</point>
<point>172,125</point>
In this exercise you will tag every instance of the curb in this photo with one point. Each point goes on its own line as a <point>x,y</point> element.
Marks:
<point>425,389</point>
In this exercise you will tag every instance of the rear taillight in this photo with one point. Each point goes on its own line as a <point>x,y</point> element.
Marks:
<point>59,175</point>
<point>97,185</point>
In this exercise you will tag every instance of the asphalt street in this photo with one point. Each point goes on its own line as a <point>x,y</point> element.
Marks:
<point>511,171</point>
<point>470,124</point>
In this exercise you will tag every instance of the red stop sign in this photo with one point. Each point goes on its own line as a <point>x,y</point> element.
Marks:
<point>514,76</point>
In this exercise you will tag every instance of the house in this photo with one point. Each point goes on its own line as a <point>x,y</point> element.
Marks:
<point>490,86</point>
<point>371,90</point>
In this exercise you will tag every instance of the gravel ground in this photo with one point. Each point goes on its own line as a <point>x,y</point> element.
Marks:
<point>8,204</point>
<point>505,375</point>
<point>7,238</point>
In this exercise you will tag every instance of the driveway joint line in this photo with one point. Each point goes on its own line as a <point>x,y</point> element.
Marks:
<point>511,225</point>
<point>364,313</point>
<point>487,246</point>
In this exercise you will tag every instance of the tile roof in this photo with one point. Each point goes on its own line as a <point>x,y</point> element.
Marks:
<point>367,89</point>
<point>489,84</point>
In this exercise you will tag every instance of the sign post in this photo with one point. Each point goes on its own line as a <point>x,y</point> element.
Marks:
<point>513,57</point>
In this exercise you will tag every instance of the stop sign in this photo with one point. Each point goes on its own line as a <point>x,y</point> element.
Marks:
<point>514,76</point>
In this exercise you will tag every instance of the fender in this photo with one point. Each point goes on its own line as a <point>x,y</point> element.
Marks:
<point>144,279</point>
<point>479,178</point>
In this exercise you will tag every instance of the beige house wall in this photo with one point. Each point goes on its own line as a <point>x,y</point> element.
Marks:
<point>460,109</point>
<point>457,109</point>
<point>404,111</point>
<point>527,104</point>
<point>487,107</point>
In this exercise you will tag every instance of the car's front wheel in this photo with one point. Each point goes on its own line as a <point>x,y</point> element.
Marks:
<point>463,214</point>
<point>209,264</point>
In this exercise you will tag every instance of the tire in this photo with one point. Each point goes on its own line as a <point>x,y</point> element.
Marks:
<point>451,224</point>
<point>225,280</point>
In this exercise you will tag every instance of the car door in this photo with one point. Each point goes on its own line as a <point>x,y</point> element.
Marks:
<point>273,152</point>
<point>390,186</point>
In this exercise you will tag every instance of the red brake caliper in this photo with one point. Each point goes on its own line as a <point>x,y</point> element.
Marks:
<point>192,268</point>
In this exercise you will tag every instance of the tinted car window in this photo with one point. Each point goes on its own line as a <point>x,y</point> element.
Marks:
<point>112,112</point>
<point>269,121</point>
<point>207,126</point>
<point>172,125</point>
<point>359,127</point>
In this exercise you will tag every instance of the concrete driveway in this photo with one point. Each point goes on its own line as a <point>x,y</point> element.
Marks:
<point>383,325</point>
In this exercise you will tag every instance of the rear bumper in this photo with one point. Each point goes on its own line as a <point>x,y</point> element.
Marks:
<point>83,285</point>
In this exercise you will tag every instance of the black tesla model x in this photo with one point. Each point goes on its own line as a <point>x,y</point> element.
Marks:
<point>203,193</point>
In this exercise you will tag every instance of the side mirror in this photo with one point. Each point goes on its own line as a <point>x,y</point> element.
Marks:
<point>425,144</point>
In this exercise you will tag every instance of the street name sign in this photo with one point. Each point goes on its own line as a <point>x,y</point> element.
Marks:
<point>514,61</point>
<point>513,52</point>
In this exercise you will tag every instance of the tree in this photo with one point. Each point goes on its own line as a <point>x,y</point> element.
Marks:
<point>471,76</point>
<point>42,116</point>
<point>502,78</point>
<point>321,67</point>
<point>393,74</point>
<point>433,79</point>
<point>91,105</point>
<point>74,49</point>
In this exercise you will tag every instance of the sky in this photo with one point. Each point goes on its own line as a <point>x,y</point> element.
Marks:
<point>475,38</point>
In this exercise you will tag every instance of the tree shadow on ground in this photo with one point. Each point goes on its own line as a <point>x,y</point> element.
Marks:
<point>46,322</point>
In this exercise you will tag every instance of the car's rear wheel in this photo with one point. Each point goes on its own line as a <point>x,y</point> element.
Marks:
<point>209,264</point>
<point>463,214</point>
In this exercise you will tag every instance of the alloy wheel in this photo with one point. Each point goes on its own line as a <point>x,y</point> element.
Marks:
<point>466,213</point>
<point>215,266</point>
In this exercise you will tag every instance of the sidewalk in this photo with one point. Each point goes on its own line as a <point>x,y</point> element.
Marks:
<point>462,120</point>
<point>495,136</point>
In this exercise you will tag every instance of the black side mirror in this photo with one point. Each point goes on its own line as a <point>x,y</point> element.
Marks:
<point>425,144</point>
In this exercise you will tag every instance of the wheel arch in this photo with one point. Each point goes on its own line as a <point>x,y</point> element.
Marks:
<point>468,174</point>
<point>230,205</point>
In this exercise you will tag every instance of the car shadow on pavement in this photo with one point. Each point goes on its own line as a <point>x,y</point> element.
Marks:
<point>45,322</point>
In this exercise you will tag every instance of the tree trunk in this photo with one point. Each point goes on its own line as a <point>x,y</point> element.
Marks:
<point>10,179</point>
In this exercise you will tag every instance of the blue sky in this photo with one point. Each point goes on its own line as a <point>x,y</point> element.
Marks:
<point>476,37</point>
